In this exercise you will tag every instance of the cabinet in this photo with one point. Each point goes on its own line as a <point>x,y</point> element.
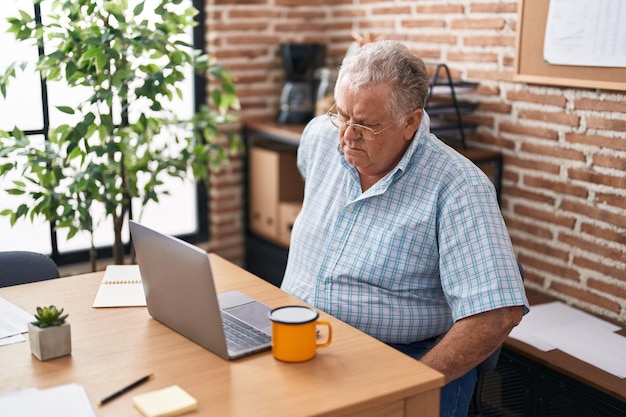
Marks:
<point>276,190</point>
<point>273,188</point>
<point>522,387</point>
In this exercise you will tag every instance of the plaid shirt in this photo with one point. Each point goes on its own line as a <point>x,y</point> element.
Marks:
<point>422,248</point>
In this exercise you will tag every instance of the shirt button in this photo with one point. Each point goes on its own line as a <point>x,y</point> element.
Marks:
<point>351,209</point>
<point>322,287</point>
<point>335,247</point>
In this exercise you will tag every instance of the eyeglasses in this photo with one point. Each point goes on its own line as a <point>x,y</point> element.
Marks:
<point>363,132</point>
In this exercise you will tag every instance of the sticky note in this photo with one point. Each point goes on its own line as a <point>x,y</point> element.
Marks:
<point>170,401</point>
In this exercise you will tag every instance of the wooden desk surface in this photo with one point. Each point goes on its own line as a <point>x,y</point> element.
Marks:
<point>287,133</point>
<point>356,375</point>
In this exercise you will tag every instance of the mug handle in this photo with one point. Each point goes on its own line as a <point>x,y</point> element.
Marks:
<point>330,333</point>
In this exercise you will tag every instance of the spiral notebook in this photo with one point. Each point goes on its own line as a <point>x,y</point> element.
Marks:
<point>121,286</point>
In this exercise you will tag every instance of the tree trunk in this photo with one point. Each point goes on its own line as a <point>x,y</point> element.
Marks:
<point>93,256</point>
<point>118,245</point>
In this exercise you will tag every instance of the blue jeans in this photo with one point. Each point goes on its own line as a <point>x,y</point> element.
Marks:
<point>455,395</point>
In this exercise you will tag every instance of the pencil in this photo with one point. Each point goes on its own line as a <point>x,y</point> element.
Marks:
<point>125,389</point>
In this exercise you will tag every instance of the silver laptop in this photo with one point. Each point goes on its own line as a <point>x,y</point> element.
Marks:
<point>180,293</point>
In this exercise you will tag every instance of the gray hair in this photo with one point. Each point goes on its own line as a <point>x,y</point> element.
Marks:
<point>391,63</point>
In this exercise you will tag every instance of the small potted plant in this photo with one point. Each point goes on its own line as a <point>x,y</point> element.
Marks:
<point>49,334</point>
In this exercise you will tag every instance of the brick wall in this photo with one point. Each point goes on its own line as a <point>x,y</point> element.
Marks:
<point>564,185</point>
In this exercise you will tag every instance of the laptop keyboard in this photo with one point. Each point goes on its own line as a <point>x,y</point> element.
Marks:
<point>240,336</point>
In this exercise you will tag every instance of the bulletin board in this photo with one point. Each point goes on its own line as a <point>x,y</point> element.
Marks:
<point>530,65</point>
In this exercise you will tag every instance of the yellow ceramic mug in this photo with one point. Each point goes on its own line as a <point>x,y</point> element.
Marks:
<point>294,333</point>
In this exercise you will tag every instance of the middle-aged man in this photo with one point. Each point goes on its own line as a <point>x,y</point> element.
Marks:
<point>399,235</point>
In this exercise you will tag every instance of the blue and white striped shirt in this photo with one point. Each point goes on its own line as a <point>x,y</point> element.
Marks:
<point>423,247</point>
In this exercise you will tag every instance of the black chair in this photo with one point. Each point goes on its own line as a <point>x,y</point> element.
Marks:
<point>488,365</point>
<point>22,267</point>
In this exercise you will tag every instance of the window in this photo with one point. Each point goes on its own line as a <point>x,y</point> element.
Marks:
<point>30,105</point>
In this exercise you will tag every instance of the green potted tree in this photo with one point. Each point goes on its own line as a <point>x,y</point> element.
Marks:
<point>125,140</point>
<point>49,335</point>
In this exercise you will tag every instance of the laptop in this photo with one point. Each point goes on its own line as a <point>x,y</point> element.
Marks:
<point>180,293</point>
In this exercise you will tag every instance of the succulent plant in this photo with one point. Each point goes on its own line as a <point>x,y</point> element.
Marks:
<point>49,316</point>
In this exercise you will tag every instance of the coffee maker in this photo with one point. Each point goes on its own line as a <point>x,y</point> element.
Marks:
<point>297,100</point>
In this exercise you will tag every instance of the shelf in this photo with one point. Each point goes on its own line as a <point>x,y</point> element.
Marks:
<point>446,107</point>
<point>446,121</point>
<point>442,86</point>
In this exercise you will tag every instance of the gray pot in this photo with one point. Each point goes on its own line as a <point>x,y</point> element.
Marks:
<point>51,342</point>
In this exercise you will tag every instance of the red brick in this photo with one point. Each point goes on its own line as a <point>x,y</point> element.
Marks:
<point>495,7</point>
<point>615,237</point>
<point>377,24</point>
<point>552,100</point>
<point>487,90</point>
<point>532,164</point>
<point>300,3</point>
<point>391,10</point>
<point>537,231</point>
<point>553,151</point>
<point>479,119</point>
<point>562,271</point>
<point>551,117</point>
<point>601,268</point>
<point>600,105</point>
<point>508,61</point>
<point>596,178</point>
<point>239,2</point>
<point>589,246</point>
<point>594,212</point>
<point>611,199</point>
<point>606,124</point>
<point>597,141</point>
<point>432,54</point>
<point>494,107</point>
<point>556,187</point>
<point>585,296</point>
<point>440,9</point>
<point>255,13</point>
<point>478,23</point>
<point>490,75</point>
<point>446,39</point>
<point>486,138</point>
<point>607,288</point>
<point>294,27</point>
<point>471,57</point>
<point>538,132</point>
<point>546,216</point>
<point>489,40</point>
<point>610,161</point>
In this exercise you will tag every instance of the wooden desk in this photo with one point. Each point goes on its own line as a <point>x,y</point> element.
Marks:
<point>357,375</point>
<point>568,365</point>
<point>528,382</point>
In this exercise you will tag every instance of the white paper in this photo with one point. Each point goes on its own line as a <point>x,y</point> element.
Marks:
<point>556,325</point>
<point>13,319</point>
<point>596,346</point>
<point>548,317</point>
<point>9,340</point>
<point>586,33</point>
<point>121,286</point>
<point>62,401</point>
